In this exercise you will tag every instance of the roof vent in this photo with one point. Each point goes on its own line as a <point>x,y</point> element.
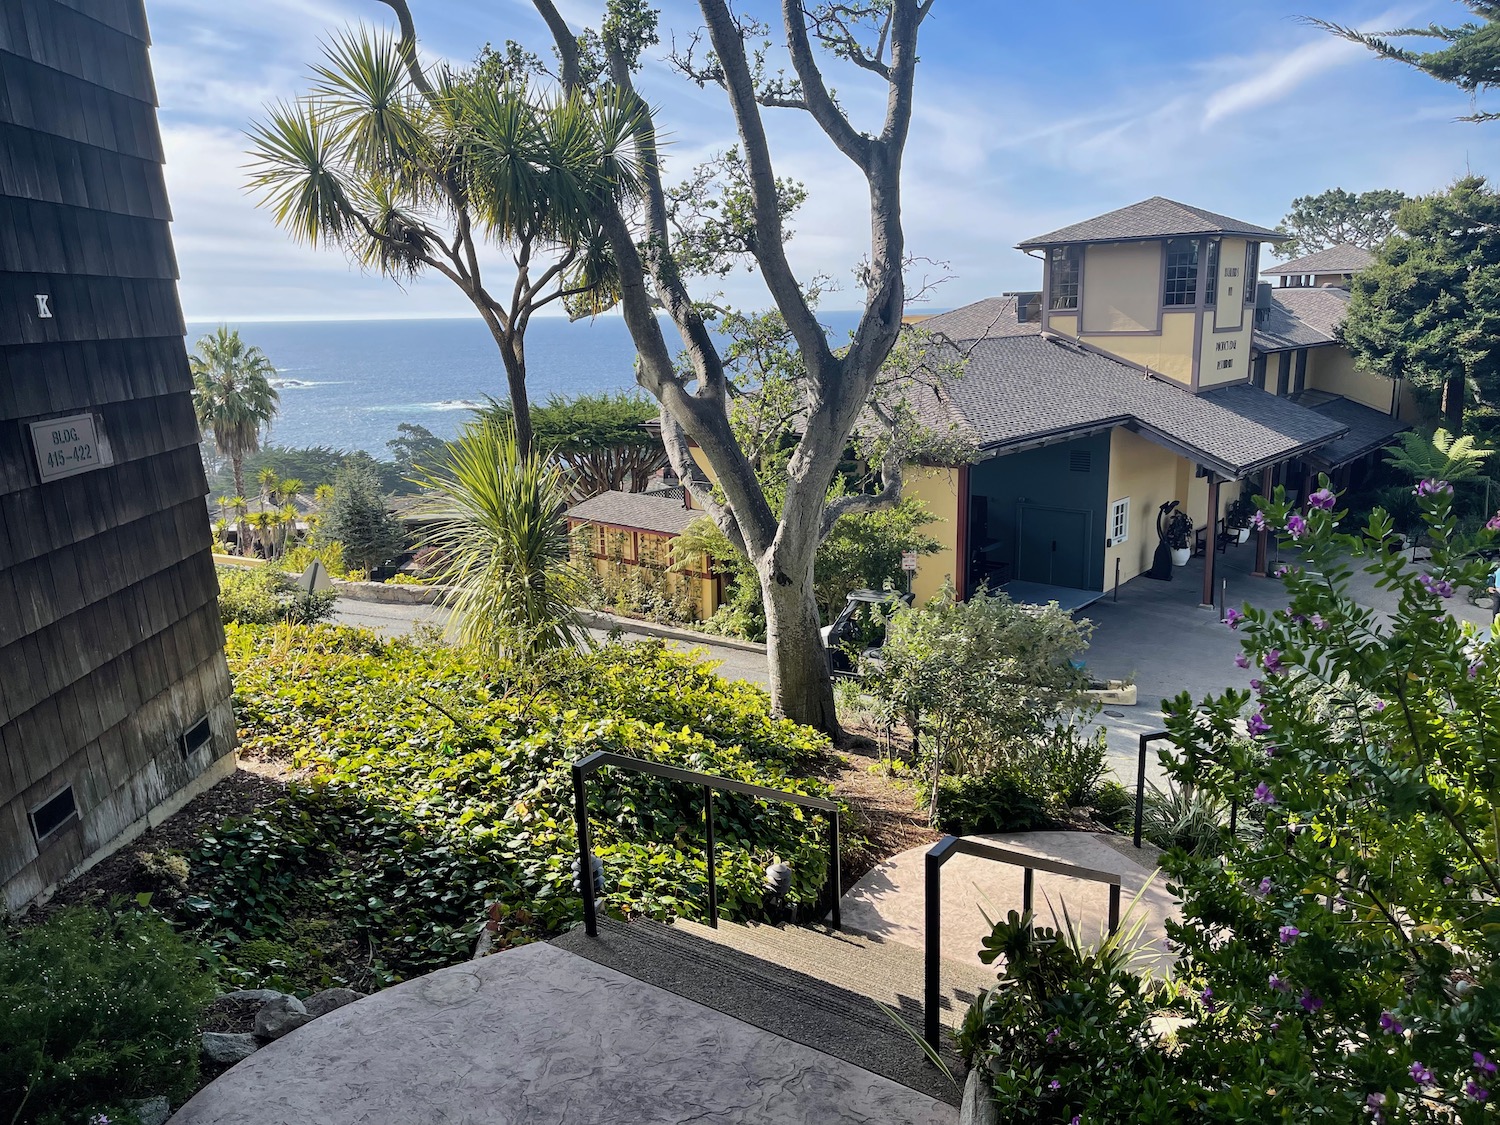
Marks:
<point>53,814</point>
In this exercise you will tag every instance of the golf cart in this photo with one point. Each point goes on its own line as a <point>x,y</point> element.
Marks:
<point>860,627</point>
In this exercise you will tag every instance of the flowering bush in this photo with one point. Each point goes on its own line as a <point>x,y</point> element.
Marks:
<point>1340,963</point>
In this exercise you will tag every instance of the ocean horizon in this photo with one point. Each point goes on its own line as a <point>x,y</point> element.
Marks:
<point>347,384</point>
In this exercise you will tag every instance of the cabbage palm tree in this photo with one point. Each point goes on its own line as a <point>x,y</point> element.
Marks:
<point>232,396</point>
<point>410,171</point>
<point>499,529</point>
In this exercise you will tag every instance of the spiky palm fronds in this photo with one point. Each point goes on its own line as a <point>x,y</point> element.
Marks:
<point>500,530</point>
<point>232,395</point>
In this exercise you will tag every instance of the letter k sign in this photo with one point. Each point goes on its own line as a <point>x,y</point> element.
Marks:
<point>43,309</point>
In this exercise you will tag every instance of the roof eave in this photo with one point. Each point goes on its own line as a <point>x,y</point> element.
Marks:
<point>1047,240</point>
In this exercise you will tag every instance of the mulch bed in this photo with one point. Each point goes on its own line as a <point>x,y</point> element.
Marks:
<point>886,819</point>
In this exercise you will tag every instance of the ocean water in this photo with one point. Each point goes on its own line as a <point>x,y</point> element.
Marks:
<point>348,384</point>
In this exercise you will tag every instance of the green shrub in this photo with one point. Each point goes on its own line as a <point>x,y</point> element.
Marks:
<point>438,786</point>
<point>1067,763</point>
<point>1002,800</point>
<point>263,596</point>
<point>96,1009</point>
<point>1113,804</point>
<point>1194,820</point>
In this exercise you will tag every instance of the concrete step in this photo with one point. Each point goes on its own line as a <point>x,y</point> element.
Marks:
<point>762,990</point>
<point>888,972</point>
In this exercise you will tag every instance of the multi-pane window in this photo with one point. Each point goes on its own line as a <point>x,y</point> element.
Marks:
<point>1252,270</point>
<point>1211,282</point>
<point>1119,521</point>
<point>1065,265</point>
<point>1182,272</point>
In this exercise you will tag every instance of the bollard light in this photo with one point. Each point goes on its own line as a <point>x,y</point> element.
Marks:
<point>597,866</point>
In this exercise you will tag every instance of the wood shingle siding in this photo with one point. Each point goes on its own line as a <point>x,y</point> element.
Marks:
<point>110,642</point>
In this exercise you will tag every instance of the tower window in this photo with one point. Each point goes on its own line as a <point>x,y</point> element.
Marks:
<point>1252,270</point>
<point>1065,265</point>
<point>1182,272</point>
<point>1211,282</point>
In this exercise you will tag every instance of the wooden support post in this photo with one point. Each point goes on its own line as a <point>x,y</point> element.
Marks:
<point>1262,534</point>
<point>1212,543</point>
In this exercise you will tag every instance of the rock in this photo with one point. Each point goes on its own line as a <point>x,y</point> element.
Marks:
<point>151,1111</point>
<point>321,1003</point>
<point>224,1047</point>
<point>284,1014</point>
<point>259,995</point>
<point>978,1106</point>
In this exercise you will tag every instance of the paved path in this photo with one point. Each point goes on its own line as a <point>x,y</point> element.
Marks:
<point>538,1035</point>
<point>397,620</point>
<point>890,902</point>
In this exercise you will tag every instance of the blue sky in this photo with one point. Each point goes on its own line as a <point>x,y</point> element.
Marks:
<point>1027,117</point>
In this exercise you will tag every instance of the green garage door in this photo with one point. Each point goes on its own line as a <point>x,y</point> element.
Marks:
<point>1052,545</point>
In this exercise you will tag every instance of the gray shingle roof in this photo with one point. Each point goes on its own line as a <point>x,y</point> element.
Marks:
<point>639,511</point>
<point>1301,318</point>
<point>1368,430</point>
<point>1156,217</point>
<point>1342,258</point>
<point>1020,390</point>
<point>993,316</point>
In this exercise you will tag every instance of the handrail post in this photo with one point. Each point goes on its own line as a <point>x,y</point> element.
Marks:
<point>932,945</point>
<point>713,885</point>
<point>1114,908</point>
<point>1140,787</point>
<point>1028,880</point>
<point>835,876</point>
<point>585,855</point>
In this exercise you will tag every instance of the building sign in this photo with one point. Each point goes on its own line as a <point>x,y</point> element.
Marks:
<point>908,560</point>
<point>43,309</point>
<point>67,446</point>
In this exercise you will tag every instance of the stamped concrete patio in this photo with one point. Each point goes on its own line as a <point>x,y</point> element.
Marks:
<point>538,1035</point>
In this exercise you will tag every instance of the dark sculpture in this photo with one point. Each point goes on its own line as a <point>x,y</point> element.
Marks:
<point>1161,562</point>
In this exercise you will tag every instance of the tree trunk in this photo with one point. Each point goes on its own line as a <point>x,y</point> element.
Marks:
<point>1453,404</point>
<point>801,688</point>
<point>238,464</point>
<point>520,405</point>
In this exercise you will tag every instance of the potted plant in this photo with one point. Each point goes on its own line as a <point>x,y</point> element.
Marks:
<point>1179,536</point>
<point>1240,513</point>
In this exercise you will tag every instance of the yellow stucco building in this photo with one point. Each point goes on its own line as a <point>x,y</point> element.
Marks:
<point>1150,368</point>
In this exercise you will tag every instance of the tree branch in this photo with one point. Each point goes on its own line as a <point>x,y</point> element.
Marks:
<point>850,141</point>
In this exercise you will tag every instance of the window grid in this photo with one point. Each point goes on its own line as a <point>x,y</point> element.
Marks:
<point>1066,265</point>
<point>1211,282</point>
<point>1252,270</point>
<point>1119,521</point>
<point>1182,272</point>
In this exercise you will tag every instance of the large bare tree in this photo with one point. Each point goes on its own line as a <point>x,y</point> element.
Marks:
<point>878,38</point>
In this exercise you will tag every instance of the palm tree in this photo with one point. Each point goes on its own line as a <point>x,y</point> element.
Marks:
<point>233,396</point>
<point>409,172</point>
<point>500,531</point>
<point>239,506</point>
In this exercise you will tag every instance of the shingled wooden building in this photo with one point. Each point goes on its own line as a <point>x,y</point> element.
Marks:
<point>114,694</point>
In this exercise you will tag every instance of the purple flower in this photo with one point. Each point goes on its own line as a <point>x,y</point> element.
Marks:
<point>1256,685</point>
<point>1310,1002</point>
<point>1272,661</point>
<point>1282,571</point>
<point>1296,526</point>
<point>1474,669</point>
<point>1288,934</point>
<point>1440,587</point>
<point>1390,1024</point>
<point>1322,499</point>
<point>1483,1064</point>
<point>1264,795</point>
<point>1378,705</point>
<point>1277,984</point>
<point>1054,1085</point>
<point>1375,1104</point>
<point>1233,617</point>
<point>1241,660</point>
<point>1494,524</point>
<point>1433,487</point>
<point>1052,1035</point>
<point>1076,1120</point>
<point>1420,1074</point>
<point>1474,1091</point>
<point>1318,622</point>
<point>1206,994</point>
<point>1265,887</point>
<point>1257,724</point>
<point>1270,749</point>
<point>1258,521</point>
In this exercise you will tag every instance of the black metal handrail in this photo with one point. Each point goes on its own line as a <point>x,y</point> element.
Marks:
<point>601,758</point>
<point>944,850</point>
<point>1140,778</point>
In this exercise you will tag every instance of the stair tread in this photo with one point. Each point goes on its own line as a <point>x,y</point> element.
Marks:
<point>887,972</point>
<point>768,994</point>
